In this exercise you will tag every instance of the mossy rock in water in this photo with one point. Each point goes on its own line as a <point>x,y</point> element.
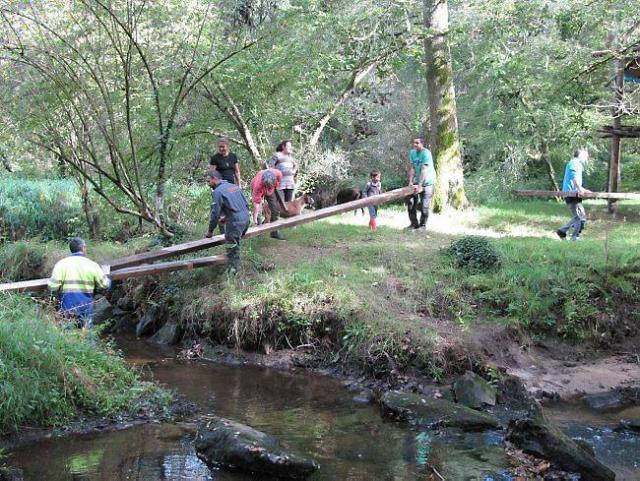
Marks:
<point>541,438</point>
<point>428,412</point>
<point>224,443</point>
<point>473,391</point>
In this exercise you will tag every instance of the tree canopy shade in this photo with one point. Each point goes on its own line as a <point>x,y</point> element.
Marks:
<point>128,95</point>
<point>114,90</point>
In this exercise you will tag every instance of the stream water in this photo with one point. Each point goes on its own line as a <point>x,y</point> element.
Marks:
<point>311,414</point>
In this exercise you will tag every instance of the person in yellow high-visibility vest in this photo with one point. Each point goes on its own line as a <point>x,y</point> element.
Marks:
<point>75,279</point>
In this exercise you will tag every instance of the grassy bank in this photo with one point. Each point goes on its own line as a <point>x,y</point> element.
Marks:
<point>49,376</point>
<point>393,299</point>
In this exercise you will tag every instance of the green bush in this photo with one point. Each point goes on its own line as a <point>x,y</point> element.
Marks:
<point>49,376</point>
<point>475,253</point>
<point>50,209</point>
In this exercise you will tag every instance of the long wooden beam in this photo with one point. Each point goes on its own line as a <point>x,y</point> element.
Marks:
<point>304,218</point>
<point>128,273</point>
<point>124,268</point>
<point>586,195</point>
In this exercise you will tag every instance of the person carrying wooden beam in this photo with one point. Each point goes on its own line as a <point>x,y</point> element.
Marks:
<point>75,279</point>
<point>264,186</point>
<point>573,183</point>
<point>231,208</point>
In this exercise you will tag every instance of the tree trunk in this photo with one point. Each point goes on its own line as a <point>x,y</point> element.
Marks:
<point>551,171</point>
<point>443,130</point>
<point>87,206</point>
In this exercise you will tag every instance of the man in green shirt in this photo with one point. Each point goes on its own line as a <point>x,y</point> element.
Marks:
<point>422,177</point>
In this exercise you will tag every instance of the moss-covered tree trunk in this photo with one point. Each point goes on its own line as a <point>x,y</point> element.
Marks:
<point>444,141</point>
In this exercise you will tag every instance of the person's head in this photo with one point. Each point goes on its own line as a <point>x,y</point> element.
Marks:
<point>223,147</point>
<point>375,175</point>
<point>418,144</point>
<point>76,244</point>
<point>284,147</point>
<point>582,155</point>
<point>268,179</point>
<point>214,178</point>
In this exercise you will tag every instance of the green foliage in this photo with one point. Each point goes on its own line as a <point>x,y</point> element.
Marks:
<point>475,253</point>
<point>21,261</point>
<point>49,376</point>
<point>49,209</point>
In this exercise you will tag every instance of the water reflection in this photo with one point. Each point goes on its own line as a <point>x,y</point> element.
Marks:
<point>310,414</point>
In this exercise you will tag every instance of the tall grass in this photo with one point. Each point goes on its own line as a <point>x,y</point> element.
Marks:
<point>49,209</point>
<point>49,376</point>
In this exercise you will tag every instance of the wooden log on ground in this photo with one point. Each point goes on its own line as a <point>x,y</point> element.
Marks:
<point>128,273</point>
<point>124,267</point>
<point>586,195</point>
<point>304,218</point>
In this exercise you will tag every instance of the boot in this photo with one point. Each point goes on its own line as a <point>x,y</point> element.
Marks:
<point>372,224</point>
<point>233,259</point>
<point>276,235</point>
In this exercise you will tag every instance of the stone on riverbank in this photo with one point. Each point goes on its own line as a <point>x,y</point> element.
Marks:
<point>152,317</point>
<point>428,412</point>
<point>11,474</point>
<point>224,443</point>
<point>168,334</point>
<point>538,437</point>
<point>102,311</point>
<point>473,391</point>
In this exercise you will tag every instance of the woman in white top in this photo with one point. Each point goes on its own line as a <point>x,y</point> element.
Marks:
<point>285,163</point>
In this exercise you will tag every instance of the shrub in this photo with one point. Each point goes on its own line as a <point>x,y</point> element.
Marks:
<point>475,253</point>
<point>50,209</point>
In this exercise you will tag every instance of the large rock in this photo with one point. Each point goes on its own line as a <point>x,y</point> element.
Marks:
<point>428,412</point>
<point>605,401</point>
<point>473,391</point>
<point>102,311</point>
<point>224,443</point>
<point>169,334</point>
<point>537,436</point>
<point>11,474</point>
<point>152,318</point>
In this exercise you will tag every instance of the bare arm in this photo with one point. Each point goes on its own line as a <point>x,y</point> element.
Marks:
<point>256,212</point>
<point>423,175</point>
<point>237,173</point>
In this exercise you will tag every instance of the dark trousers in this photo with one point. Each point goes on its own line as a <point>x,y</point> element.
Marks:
<point>233,235</point>
<point>287,194</point>
<point>420,202</point>
<point>274,205</point>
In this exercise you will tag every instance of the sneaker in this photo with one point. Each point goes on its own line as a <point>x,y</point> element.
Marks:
<point>276,235</point>
<point>411,227</point>
<point>422,227</point>
<point>562,235</point>
<point>577,238</point>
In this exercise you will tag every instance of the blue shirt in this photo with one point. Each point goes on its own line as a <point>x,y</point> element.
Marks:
<point>573,175</point>
<point>418,159</point>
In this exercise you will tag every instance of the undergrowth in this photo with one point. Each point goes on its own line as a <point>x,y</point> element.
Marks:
<point>49,376</point>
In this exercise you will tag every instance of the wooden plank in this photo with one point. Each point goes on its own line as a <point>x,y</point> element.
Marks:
<point>304,218</point>
<point>23,286</point>
<point>128,273</point>
<point>586,195</point>
<point>123,268</point>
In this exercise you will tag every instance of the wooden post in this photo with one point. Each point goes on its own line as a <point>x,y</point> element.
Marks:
<point>614,161</point>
